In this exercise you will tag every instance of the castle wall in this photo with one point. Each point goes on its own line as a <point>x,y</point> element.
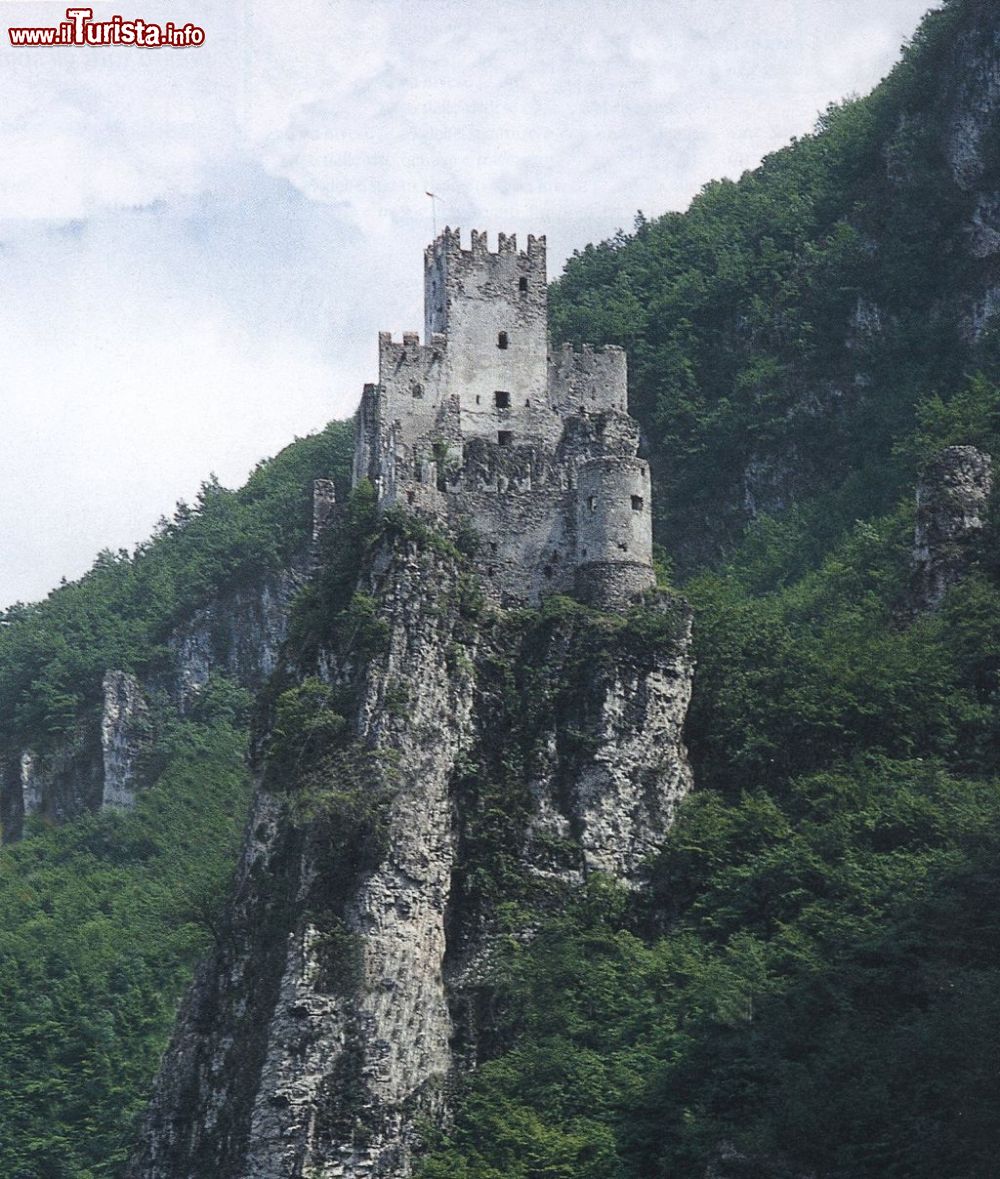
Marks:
<point>593,379</point>
<point>369,435</point>
<point>413,377</point>
<point>527,544</point>
<point>521,502</point>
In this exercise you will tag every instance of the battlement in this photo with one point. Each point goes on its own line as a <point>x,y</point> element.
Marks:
<point>448,243</point>
<point>412,340</point>
<point>568,349</point>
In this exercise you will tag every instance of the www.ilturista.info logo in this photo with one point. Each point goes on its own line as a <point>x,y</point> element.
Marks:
<point>80,28</point>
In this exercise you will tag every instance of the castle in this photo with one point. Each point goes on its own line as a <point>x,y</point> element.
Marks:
<point>483,425</point>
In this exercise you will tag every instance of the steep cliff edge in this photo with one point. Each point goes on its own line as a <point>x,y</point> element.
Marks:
<point>434,764</point>
<point>952,503</point>
<point>809,986</point>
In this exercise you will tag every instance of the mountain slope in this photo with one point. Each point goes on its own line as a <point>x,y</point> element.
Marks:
<point>105,910</point>
<point>810,988</point>
<point>782,331</point>
<point>807,985</point>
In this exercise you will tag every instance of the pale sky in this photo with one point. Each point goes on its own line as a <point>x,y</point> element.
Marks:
<point>198,246</point>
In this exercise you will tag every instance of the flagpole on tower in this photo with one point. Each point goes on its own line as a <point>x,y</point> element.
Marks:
<point>434,200</point>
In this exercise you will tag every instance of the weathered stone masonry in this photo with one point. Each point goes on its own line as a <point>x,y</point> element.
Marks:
<point>484,424</point>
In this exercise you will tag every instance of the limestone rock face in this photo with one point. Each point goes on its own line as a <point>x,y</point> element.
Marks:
<point>951,503</point>
<point>125,734</point>
<point>380,1055</point>
<point>97,762</point>
<point>606,764</point>
<point>323,1030</point>
<point>975,101</point>
<point>238,635</point>
<point>59,782</point>
<point>625,793</point>
<point>729,1163</point>
<point>325,1034</point>
<point>95,765</point>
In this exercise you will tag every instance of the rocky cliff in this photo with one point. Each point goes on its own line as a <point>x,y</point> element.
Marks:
<point>431,762</point>
<point>99,761</point>
<point>952,498</point>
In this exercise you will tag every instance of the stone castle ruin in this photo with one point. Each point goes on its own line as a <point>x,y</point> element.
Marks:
<point>484,425</point>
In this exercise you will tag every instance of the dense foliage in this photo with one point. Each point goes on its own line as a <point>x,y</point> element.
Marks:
<point>781,330</point>
<point>810,985</point>
<point>53,654</point>
<point>102,920</point>
<point>101,923</point>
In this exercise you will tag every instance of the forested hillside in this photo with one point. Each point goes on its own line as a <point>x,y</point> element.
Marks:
<point>783,331</point>
<point>810,983</point>
<point>103,919</point>
<point>811,987</point>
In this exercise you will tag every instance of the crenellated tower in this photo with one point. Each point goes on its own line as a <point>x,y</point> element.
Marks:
<point>481,423</point>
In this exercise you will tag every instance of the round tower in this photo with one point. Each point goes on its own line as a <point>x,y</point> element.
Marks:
<point>614,533</point>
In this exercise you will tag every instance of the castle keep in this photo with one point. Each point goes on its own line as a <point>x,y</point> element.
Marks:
<point>482,424</point>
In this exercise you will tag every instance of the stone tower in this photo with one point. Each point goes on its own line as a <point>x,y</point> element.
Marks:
<point>483,425</point>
